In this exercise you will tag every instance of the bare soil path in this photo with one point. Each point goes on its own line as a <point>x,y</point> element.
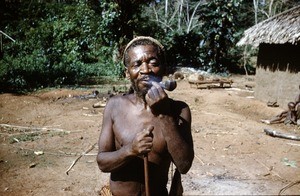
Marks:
<point>233,154</point>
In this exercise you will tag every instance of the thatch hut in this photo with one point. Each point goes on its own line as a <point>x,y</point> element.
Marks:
<point>278,61</point>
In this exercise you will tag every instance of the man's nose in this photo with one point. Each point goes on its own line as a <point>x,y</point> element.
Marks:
<point>145,68</point>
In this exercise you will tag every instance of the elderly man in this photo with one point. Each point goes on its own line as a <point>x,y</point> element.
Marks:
<point>144,123</point>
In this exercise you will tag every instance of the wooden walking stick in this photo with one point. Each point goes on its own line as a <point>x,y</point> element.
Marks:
<point>146,172</point>
<point>146,168</point>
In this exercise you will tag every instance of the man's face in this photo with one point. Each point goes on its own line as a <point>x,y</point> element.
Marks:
<point>144,63</point>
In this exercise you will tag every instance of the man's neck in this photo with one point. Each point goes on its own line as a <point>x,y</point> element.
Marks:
<point>140,100</point>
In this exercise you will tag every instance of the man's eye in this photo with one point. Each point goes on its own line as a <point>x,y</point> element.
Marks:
<point>136,64</point>
<point>153,63</point>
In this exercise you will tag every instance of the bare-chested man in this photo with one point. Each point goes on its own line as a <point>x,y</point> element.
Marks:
<point>288,116</point>
<point>145,122</point>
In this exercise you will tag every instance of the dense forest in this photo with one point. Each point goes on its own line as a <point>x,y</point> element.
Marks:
<point>65,42</point>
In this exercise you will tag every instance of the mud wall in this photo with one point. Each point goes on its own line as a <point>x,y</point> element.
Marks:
<point>278,73</point>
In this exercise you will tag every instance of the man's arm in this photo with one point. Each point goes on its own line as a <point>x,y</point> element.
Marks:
<point>179,139</point>
<point>177,134</point>
<point>109,158</point>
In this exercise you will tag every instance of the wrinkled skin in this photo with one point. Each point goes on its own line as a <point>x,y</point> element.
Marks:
<point>146,122</point>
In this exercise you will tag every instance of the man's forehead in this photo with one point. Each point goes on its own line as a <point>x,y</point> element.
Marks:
<point>141,40</point>
<point>143,50</point>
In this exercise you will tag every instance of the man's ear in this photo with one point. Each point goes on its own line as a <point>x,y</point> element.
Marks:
<point>127,75</point>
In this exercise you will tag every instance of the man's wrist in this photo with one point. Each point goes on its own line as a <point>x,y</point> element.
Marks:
<point>162,107</point>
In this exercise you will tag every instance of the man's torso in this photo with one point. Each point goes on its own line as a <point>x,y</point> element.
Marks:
<point>127,122</point>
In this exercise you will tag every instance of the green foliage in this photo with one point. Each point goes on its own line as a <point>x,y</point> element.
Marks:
<point>68,42</point>
<point>61,46</point>
<point>121,20</point>
<point>177,29</point>
<point>109,24</point>
<point>199,35</point>
<point>219,30</point>
<point>183,49</point>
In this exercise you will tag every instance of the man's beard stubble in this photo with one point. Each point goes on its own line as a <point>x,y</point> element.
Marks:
<point>140,93</point>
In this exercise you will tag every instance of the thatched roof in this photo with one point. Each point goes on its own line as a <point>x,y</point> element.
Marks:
<point>279,29</point>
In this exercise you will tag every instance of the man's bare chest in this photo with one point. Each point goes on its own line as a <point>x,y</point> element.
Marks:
<point>126,127</point>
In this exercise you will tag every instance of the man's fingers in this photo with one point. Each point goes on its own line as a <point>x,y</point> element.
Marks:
<point>156,85</point>
<point>153,93</point>
<point>156,91</point>
<point>148,131</point>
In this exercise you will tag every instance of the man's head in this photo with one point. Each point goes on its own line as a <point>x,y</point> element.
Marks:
<point>291,106</point>
<point>143,40</point>
<point>145,62</point>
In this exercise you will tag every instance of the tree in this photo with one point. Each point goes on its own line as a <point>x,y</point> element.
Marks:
<point>177,25</point>
<point>264,9</point>
<point>177,16</point>
<point>219,30</point>
<point>56,43</point>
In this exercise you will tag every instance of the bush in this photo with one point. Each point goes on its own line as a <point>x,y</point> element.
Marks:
<point>60,45</point>
<point>183,49</point>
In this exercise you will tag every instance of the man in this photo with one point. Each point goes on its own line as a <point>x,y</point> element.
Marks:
<point>144,123</point>
<point>288,116</point>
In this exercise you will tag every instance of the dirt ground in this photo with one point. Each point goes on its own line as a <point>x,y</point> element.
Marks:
<point>42,133</point>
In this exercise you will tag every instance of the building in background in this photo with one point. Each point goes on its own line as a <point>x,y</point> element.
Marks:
<point>278,61</point>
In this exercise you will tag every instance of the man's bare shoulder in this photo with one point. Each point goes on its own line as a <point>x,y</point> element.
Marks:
<point>119,99</point>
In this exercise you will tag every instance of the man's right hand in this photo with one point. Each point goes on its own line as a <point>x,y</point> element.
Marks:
<point>143,142</point>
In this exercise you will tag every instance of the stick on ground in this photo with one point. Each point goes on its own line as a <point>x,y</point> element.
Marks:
<point>75,161</point>
<point>288,186</point>
<point>274,133</point>
<point>26,129</point>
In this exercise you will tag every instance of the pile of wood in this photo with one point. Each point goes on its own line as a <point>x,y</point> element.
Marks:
<point>199,81</point>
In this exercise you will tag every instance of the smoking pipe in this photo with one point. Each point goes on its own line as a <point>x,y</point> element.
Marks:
<point>168,85</point>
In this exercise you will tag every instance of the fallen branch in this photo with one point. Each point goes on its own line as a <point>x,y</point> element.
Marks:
<point>91,115</point>
<point>23,128</point>
<point>75,161</point>
<point>61,153</point>
<point>37,133</point>
<point>288,186</point>
<point>270,169</point>
<point>199,160</point>
<point>293,144</point>
<point>274,133</point>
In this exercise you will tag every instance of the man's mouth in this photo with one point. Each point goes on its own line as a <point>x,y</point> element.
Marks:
<point>151,78</point>
<point>146,81</point>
